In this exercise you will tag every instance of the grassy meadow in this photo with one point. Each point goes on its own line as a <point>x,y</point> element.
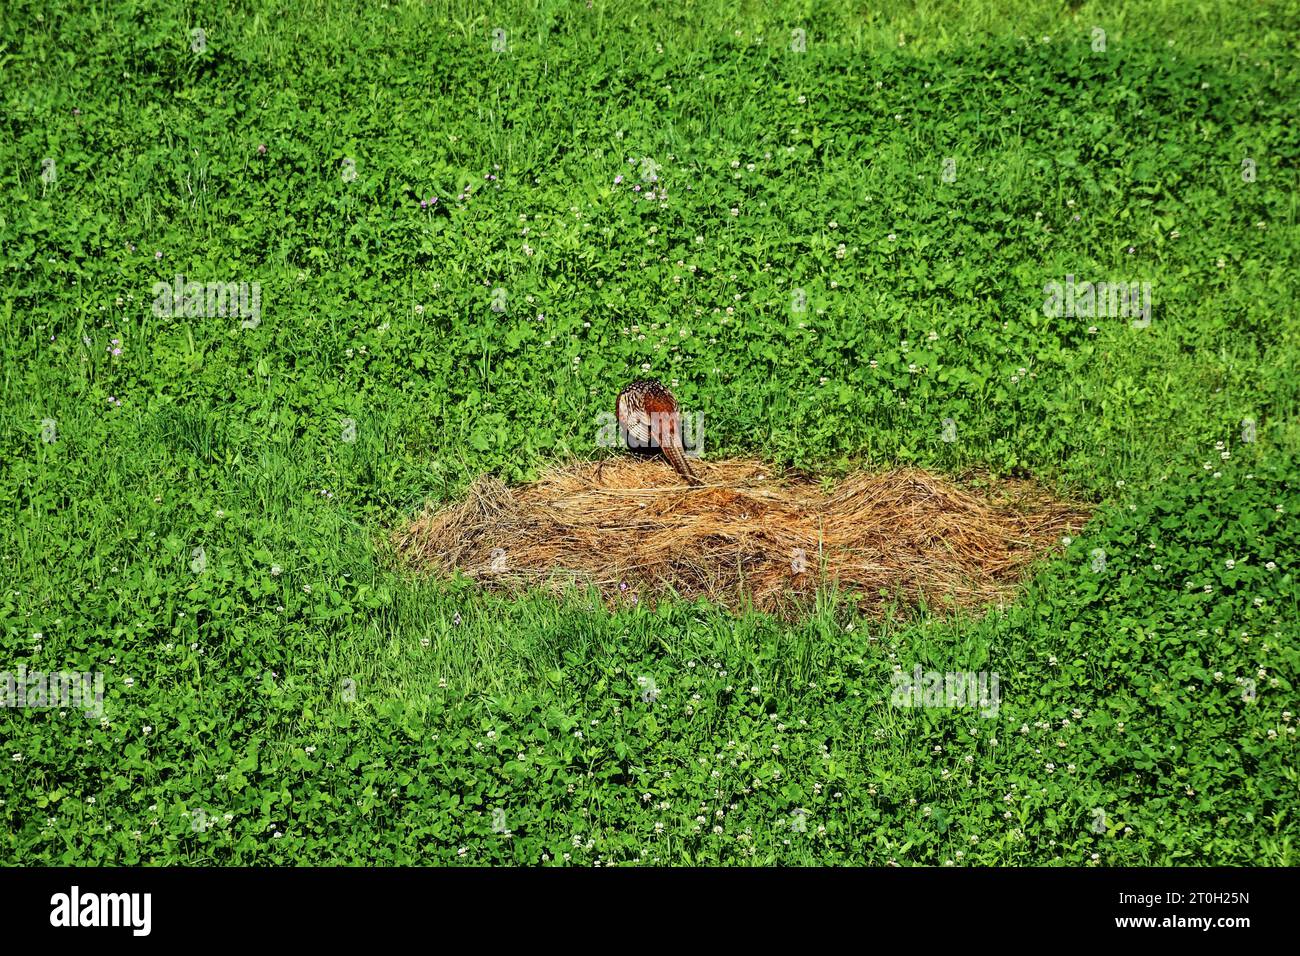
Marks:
<point>458,230</point>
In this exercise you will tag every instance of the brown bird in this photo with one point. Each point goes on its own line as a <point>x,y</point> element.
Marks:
<point>649,422</point>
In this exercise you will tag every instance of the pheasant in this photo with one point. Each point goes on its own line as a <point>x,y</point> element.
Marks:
<point>649,421</point>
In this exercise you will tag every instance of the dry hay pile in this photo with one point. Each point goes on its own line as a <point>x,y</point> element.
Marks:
<point>631,529</point>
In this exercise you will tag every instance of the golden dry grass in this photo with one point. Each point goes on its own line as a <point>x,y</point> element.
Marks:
<point>630,528</point>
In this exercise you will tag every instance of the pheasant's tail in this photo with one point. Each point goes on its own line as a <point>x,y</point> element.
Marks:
<point>677,458</point>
